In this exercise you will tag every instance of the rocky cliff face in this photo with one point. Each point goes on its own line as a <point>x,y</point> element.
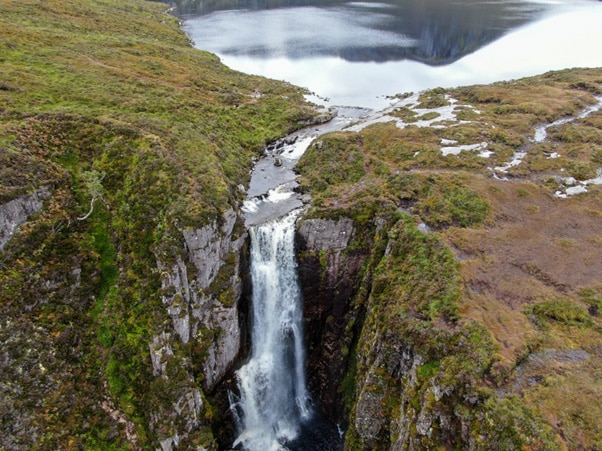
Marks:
<point>202,289</point>
<point>196,343</point>
<point>330,275</point>
<point>16,212</point>
<point>386,357</point>
<point>201,293</point>
<point>334,258</point>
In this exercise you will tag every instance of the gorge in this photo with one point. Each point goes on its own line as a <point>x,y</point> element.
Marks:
<point>274,400</point>
<point>446,305</point>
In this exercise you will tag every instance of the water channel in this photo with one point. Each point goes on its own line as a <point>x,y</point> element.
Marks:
<point>353,55</point>
<point>273,408</point>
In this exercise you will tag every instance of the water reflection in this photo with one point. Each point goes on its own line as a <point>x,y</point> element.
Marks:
<point>356,52</point>
<point>435,32</point>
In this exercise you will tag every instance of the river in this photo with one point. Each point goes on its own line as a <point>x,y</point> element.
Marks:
<point>353,55</point>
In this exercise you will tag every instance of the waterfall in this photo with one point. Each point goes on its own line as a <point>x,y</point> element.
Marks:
<point>274,401</point>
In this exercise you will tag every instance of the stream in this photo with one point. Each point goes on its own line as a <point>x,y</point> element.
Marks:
<point>271,193</point>
<point>273,409</point>
<point>354,53</point>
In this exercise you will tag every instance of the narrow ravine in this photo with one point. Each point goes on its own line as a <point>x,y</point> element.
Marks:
<point>273,409</point>
<point>273,401</point>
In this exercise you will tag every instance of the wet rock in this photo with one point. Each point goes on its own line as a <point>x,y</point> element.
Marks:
<point>329,278</point>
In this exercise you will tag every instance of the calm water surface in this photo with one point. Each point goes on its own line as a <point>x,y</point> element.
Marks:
<point>356,53</point>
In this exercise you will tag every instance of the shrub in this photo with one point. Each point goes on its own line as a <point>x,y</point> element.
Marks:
<point>448,203</point>
<point>433,98</point>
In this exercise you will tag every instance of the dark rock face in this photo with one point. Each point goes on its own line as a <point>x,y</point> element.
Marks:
<point>329,275</point>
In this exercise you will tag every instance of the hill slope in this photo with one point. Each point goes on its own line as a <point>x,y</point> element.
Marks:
<point>475,313</point>
<point>118,143</point>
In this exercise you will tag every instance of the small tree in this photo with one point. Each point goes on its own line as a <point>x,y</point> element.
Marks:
<point>93,181</point>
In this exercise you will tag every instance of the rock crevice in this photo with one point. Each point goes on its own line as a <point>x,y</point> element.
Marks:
<point>202,289</point>
<point>330,277</point>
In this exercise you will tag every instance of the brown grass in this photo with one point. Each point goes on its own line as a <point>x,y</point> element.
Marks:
<point>537,248</point>
<point>524,269</point>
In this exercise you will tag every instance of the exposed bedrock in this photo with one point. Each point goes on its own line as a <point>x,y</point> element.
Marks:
<point>329,275</point>
<point>201,291</point>
<point>16,212</point>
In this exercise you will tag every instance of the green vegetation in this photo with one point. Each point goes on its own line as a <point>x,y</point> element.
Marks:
<point>341,169</point>
<point>516,107</point>
<point>433,98</point>
<point>419,274</point>
<point>341,162</point>
<point>481,330</point>
<point>480,346</point>
<point>135,136</point>
<point>413,321</point>
<point>593,298</point>
<point>563,311</point>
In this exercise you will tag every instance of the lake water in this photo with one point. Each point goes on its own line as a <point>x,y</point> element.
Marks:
<point>357,53</point>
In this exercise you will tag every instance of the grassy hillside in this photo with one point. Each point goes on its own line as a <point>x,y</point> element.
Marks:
<point>130,136</point>
<point>499,293</point>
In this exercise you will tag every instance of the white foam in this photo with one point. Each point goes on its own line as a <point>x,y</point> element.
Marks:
<point>279,194</point>
<point>250,205</point>
<point>296,150</point>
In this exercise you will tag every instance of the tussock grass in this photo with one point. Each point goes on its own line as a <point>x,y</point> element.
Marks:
<point>528,262</point>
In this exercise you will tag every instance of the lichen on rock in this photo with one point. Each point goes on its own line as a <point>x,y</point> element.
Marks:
<point>16,212</point>
<point>193,299</point>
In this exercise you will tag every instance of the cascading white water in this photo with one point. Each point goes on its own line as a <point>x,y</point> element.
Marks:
<point>274,410</point>
<point>274,400</point>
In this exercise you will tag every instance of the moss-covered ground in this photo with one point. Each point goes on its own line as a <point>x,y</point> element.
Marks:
<point>521,294</point>
<point>136,136</point>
